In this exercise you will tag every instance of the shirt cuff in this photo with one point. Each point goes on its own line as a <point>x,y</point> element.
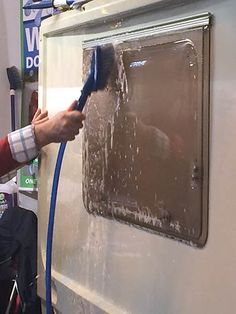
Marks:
<point>23,145</point>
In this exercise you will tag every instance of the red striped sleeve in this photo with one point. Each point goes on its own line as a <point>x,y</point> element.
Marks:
<point>7,163</point>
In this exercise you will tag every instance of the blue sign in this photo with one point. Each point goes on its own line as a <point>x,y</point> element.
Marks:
<point>31,25</point>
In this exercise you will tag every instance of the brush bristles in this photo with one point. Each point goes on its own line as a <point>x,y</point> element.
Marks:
<point>105,61</point>
<point>14,78</point>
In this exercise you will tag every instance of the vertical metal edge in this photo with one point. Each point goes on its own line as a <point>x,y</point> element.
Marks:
<point>205,136</point>
<point>22,60</point>
<point>41,94</point>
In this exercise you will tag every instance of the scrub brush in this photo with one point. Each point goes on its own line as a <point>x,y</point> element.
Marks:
<point>15,83</point>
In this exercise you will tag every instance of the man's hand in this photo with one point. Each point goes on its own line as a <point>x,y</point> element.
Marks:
<point>64,126</point>
<point>40,117</point>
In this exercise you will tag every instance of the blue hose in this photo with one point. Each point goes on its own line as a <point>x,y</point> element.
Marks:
<point>50,227</point>
<point>89,86</point>
<point>101,61</point>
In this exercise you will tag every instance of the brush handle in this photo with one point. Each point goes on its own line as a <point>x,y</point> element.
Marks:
<point>81,102</point>
<point>13,110</point>
<point>87,90</point>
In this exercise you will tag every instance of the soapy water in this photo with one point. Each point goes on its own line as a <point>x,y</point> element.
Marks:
<point>140,139</point>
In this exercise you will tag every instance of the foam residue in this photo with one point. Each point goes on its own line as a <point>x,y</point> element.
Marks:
<point>137,154</point>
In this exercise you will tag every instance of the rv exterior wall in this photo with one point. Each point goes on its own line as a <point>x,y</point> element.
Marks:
<point>101,265</point>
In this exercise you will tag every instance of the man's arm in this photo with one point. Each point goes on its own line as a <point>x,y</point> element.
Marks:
<point>6,161</point>
<point>18,148</point>
<point>23,145</point>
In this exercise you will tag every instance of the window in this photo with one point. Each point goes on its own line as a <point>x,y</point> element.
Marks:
<point>146,139</point>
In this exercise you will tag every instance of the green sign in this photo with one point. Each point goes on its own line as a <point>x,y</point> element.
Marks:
<point>27,177</point>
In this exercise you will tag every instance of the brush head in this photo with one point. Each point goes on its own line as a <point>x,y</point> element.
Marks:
<point>104,59</point>
<point>101,66</point>
<point>14,78</point>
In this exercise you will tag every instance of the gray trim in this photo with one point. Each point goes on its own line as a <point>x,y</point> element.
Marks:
<point>201,20</point>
